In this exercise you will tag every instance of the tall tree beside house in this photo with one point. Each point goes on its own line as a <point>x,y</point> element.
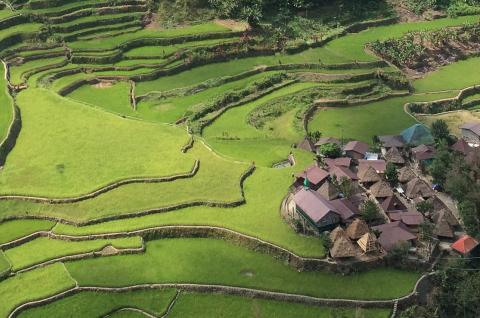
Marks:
<point>441,164</point>
<point>330,150</point>
<point>440,130</point>
<point>344,186</point>
<point>369,211</point>
<point>391,174</point>
<point>471,217</point>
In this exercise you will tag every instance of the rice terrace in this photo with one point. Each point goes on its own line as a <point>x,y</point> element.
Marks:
<point>240,158</point>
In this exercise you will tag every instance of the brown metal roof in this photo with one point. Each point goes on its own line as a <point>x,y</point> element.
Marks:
<point>357,146</point>
<point>461,146</point>
<point>345,208</point>
<point>313,204</point>
<point>379,165</point>
<point>393,204</point>
<point>423,152</point>
<point>340,172</point>
<point>389,141</point>
<point>341,162</point>
<point>412,218</point>
<point>392,234</point>
<point>314,174</point>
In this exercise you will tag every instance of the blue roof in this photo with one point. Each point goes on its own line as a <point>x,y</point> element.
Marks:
<point>417,134</point>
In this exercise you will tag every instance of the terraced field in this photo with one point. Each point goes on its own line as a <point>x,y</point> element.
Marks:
<point>137,163</point>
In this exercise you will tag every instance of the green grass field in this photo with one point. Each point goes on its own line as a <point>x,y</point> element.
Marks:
<point>92,304</point>
<point>44,249</point>
<point>201,305</point>
<point>73,145</point>
<point>230,263</point>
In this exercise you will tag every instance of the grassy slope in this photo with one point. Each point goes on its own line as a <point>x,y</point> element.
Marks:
<point>4,263</point>
<point>43,249</point>
<point>204,305</point>
<point>26,287</point>
<point>12,230</point>
<point>363,122</point>
<point>221,176</point>
<point>264,191</point>
<point>78,149</point>
<point>112,42</point>
<point>183,260</point>
<point>455,76</point>
<point>250,144</point>
<point>6,111</point>
<point>99,304</point>
<point>16,72</point>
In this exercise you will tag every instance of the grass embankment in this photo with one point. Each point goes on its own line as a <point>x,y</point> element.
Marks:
<point>44,249</point>
<point>6,109</point>
<point>12,230</point>
<point>194,261</point>
<point>4,264</point>
<point>203,305</point>
<point>17,72</point>
<point>217,180</point>
<point>29,286</point>
<point>259,217</point>
<point>365,121</point>
<point>112,42</point>
<point>99,304</point>
<point>231,135</point>
<point>78,149</point>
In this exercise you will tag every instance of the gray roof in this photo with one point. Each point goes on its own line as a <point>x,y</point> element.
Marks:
<point>472,126</point>
<point>389,141</point>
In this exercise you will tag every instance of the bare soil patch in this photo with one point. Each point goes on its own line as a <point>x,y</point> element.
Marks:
<point>233,25</point>
<point>104,84</point>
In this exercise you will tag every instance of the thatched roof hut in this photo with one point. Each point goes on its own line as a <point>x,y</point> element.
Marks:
<point>394,156</point>
<point>336,233</point>
<point>448,215</point>
<point>405,174</point>
<point>417,188</point>
<point>368,242</point>
<point>368,174</point>
<point>381,189</point>
<point>442,227</point>
<point>328,191</point>
<point>357,229</point>
<point>342,248</point>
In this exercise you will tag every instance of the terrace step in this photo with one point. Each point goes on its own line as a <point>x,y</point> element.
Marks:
<point>94,21</point>
<point>101,30</point>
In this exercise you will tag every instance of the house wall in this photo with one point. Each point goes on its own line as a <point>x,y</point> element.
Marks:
<point>470,136</point>
<point>354,155</point>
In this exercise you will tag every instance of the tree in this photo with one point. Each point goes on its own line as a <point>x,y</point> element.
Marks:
<point>249,10</point>
<point>424,207</point>
<point>470,216</point>
<point>330,150</point>
<point>344,185</point>
<point>314,135</point>
<point>440,130</point>
<point>399,253</point>
<point>369,211</point>
<point>441,164</point>
<point>391,174</point>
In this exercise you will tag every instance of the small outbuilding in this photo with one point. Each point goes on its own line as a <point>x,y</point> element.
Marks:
<point>342,248</point>
<point>368,175</point>
<point>417,188</point>
<point>394,156</point>
<point>356,149</point>
<point>465,245</point>
<point>381,189</point>
<point>368,243</point>
<point>357,229</point>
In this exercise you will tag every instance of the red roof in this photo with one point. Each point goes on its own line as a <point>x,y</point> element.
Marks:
<point>465,244</point>
<point>357,146</point>
<point>314,174</point>
<point>379,165</point>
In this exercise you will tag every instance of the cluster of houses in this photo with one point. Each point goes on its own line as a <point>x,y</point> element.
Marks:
<point>316,204</point>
